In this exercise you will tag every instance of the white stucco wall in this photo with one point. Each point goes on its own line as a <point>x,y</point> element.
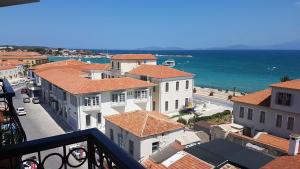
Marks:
<point>142,145</point>
<point>128,65</point>
<point>270,120</point>
<point>295,100</point>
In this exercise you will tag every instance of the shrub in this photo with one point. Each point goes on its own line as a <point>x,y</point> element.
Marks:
<point>194,90</point>
<point>230,97</point>
<point>211,93</point>
<point>182,121</point>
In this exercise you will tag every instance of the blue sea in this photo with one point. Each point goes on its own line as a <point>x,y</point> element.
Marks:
<point>247,70</point>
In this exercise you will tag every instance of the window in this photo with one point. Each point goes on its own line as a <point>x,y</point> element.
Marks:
<point>250,113</point>
<point>111,134</point>
<point>242,109</point>
<point>284,99</point>
<point>187,84</point>
<point>99,119</point>
<point>88,120</point>
<point>91,101</point>
<point>262,117</point>
<point>64,95</point>
<point>112,65</point>
<point>50,86</point>
<point>186,101</point>
<point>155,146</point>
<point>177,86</point>
<point>290,123</point>
<point>120,140</point>
<point>154,89</point>
<point>167,87</point>
<point>176,104</point>
<point>139,62</point>
<point>118,66</point>
<point>153,105</point>
<point>102,76</point>
<point>73,100</point>
<point>140,94</point>
<point>131,147</point>
<point>278,120</point>
<point>144,78</point>
<point>166,106</point>
<point>118,97</point>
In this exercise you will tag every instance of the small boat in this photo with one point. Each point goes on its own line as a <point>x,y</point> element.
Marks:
<point>169,63</point>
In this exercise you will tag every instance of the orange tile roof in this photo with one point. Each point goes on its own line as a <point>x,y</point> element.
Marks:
<point>12,62</point>
<point>72,81</point>
<point>134,57</point>
<point>21,55</point>
<point>158,71</point>
<point>186,162</point>
<point>144,123</point>
<point>292,84</point>
<point>260,98</point>
<point>95,66</point>
<point>278,142</point>
<point>284,162</point>
<point>7,67</point>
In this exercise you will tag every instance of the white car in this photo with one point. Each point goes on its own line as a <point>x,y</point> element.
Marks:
<point>21,111</point>
<point>78,154</point>
<point>21,81</point>
<point>14,83</point>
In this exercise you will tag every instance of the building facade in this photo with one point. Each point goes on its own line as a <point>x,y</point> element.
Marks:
<point>29,58</point>
<point>173,90</point>
<point>275,110</point>
<point>150,132</point>
<point>120,64</point>
<point>82,94</point>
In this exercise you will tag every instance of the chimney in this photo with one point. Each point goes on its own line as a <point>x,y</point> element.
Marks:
<point>294,144</point>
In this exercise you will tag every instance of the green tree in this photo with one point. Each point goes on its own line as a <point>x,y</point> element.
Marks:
<point>285,78</point>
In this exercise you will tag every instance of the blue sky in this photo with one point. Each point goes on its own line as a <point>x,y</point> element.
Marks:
<point>129,24</point>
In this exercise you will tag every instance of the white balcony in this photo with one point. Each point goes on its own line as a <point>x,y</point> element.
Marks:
<point>91,108</point>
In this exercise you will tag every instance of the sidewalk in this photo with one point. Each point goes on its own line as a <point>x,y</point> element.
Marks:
<point>57,118</point>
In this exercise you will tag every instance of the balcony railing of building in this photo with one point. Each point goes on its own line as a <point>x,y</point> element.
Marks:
<point>95,150</point>
<point>99,152</point>
<point>11,131</point>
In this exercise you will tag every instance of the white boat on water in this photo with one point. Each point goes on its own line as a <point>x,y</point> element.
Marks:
<point>169,63</point>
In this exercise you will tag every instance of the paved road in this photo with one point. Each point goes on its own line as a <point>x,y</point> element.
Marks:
<point>38,123</point>
<point>198,99</point>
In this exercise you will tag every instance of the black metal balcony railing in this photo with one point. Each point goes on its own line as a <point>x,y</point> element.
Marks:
<point>11,131</point>
<point>99,151</point>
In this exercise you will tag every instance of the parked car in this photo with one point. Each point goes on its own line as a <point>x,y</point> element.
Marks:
<point>77,151</point>
<point>29,164</point>
<point>26,100</point>
<point>21,81</point>
<point>21,111</point>
<point>14,83</point>
<point>35,100</point>
<point>24,91</point>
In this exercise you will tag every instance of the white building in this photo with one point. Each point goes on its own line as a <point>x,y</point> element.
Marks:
<point>12,70</point>
<point>120,64</point>
<point>174,88</point>
<point>275,110</point>
<point>83,93</point>
<point>142,133</point>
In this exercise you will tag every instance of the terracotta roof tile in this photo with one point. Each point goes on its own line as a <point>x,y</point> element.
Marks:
<point>134,57</point>
<point>158,71</point>
<point>284,162</point>
<point>7,67</point>
<point>12,62</point>
<point>292,84</point>
<point>186,162</point>
<point>145,123</point>
<point>278,142</point>
<point>260,98</point>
